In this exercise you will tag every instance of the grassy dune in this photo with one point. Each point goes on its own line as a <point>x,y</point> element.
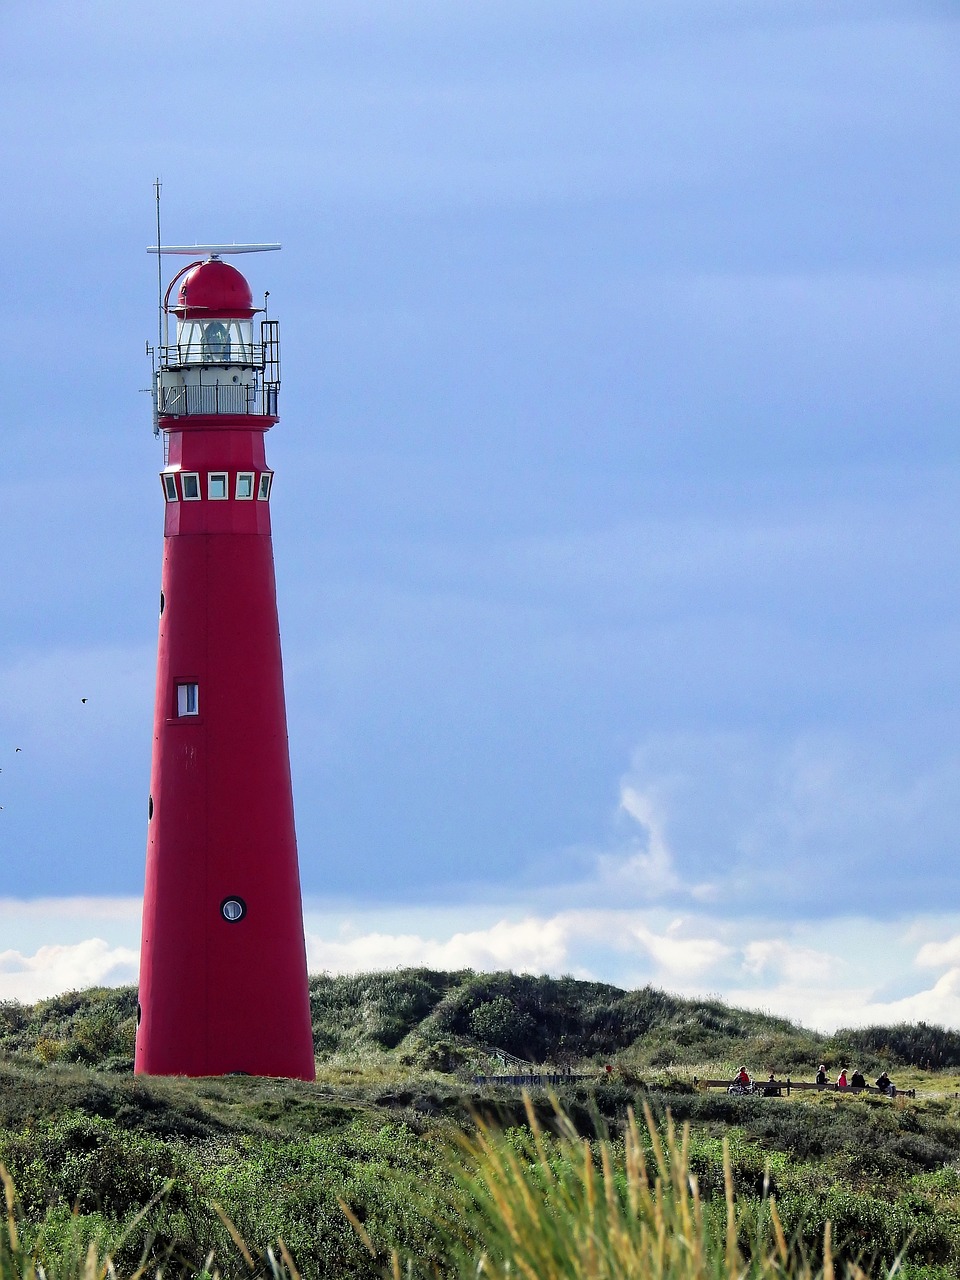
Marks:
<point>396,1159</point>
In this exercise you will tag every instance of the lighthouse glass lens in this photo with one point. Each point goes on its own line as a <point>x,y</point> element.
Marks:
<point>216,342</point>
<point>233,909</point>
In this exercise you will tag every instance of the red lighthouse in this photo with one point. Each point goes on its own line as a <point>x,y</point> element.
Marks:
<point>223,978</point>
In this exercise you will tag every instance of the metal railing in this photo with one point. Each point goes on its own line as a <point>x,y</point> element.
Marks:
<point>247,355</point>
<point>218,397</point>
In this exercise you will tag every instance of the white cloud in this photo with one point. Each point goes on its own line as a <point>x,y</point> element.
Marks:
<point>123,909</point>
<point>939,1004</point>
<point>794,964</point>
<point>679,955</point>
<point>526,946</point>
<point>55,968</point>
<point>646,871</point>
<point>807,826</point>
<point>935,955</point>
<point>821,1007</point>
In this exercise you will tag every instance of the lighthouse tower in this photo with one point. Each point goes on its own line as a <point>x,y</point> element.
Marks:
<point>223,978</point>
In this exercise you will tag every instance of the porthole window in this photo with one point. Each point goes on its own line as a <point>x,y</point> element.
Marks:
<point>266,480</point>
<point>190,484</point>
<point>163,603</point>
<point>139,1013</point>
<point>188,699</point>
<point>245,482</point>
<point>150,808</point>
<point>169,487</point>
<point>217,485</point>
<point>233,909</point>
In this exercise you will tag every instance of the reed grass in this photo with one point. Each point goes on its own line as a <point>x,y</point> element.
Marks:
<point>559,1206</point>
<point>534,1204</point>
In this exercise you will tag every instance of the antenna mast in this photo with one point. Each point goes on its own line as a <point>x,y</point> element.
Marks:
<point>157,187</point>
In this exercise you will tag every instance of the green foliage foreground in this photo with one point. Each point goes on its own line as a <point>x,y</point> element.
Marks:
<point>549,1205</point>
<point>134,1168</point>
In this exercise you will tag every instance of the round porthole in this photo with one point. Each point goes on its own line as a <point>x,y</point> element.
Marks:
<point>149,807</point>
<point>233,909</point>
<point>236,378</point>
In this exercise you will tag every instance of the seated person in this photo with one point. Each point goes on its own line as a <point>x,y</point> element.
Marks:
<point>771,1089</point>
<point>742,1082</point>
<point>842,1079</point>
<point>883,1083</point>
<point>857,1081</point>
<point>821,1076</point>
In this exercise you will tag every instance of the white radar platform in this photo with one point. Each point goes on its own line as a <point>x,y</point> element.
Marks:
<point>214,250</point>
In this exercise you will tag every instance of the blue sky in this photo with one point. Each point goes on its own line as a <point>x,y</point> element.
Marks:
<point>617,476</point>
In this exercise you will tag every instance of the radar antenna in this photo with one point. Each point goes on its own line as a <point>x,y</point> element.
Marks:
<point>214,250</point>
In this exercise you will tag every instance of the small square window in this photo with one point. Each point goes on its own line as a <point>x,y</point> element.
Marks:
<point>266,480</point>
<point>217,485</point>
<point>170,487</point>
<point>245,480</point>
<point>190,484</point>
<point>188,699</point>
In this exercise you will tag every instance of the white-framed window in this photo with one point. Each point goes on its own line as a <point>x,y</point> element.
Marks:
<point>188,699</point>
<point>169,483</point>
<point>190,485</point>
<point>266,482</point>
<point>245,483</point>
<point>217,482</point>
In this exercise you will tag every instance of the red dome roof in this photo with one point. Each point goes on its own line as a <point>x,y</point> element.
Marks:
<point>214,288</point>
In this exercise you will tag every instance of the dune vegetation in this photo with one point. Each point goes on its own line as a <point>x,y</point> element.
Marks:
<point>397,1161</point>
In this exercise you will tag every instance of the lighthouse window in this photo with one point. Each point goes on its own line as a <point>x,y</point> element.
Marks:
<point>190,483</point>
<point>266,480</point>
<point>233,909</point>
<point>170,487</point>
<point>245,481</point>
<point>214,342</point>
<point>217,485</point>
<point>188,700</point>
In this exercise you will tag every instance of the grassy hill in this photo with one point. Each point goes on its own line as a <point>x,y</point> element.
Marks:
<point>88,1144</point>
<point>449,1021</point>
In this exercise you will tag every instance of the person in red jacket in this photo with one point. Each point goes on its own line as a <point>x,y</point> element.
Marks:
<point>842,1078</point>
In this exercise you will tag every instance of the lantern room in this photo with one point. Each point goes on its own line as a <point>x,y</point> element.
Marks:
<point>215,363</point>
<point>214,313</point>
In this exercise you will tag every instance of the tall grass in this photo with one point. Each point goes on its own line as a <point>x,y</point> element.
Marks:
<point>531,1204</point>
<point>542,1206</point>
<point>80,1259</point>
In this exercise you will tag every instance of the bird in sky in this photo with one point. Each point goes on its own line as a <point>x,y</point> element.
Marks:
<point>83,699</point>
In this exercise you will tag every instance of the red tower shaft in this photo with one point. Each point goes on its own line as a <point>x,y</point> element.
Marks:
<point>223,978</point>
